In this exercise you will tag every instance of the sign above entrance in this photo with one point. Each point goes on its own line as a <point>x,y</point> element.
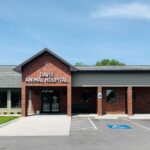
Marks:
<point>46,77</point>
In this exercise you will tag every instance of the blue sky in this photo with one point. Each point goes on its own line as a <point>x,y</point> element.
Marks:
<point>77,30</point>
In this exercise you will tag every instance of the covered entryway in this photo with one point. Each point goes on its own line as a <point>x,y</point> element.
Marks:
<point>84,100</point>
<point>46,70</point>
<point>47,100</point>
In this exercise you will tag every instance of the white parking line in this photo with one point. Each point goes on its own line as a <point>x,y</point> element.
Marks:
<point>94,126</point>
<point>146,128</point>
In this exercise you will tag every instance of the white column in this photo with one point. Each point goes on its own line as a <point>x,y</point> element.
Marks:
<point>8,99</point>
<point>29,103</point>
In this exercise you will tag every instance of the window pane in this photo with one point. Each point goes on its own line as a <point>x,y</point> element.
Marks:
<point>3,99</point>
<point>111,96</point>
<point>15,99</point>
<point>133,97</point>
<point>86,96</point>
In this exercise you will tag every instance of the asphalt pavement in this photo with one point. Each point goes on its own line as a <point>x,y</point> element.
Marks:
<point>88,134</point>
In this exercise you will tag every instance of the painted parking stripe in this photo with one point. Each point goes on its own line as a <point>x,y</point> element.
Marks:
<point>82,124</point>
<point>94,126</point>
<point>135,123</point>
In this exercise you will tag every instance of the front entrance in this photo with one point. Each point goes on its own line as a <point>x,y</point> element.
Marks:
<point>50,101</point>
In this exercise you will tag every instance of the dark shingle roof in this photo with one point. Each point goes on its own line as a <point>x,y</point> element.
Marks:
<point>128,68</point>
<point>8,77</point>
<point>11,79</point>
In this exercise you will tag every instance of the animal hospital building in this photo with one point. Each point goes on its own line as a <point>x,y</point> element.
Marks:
<point>46,83</point>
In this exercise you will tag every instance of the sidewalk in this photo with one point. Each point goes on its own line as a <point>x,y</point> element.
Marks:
<point>40,125</point>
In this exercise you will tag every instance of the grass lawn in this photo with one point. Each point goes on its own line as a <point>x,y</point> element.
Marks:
<point>4,119</point>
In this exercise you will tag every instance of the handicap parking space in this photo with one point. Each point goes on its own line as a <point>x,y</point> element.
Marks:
<point>107,126</point>
<point>135,137</point>
<point>123,125</point>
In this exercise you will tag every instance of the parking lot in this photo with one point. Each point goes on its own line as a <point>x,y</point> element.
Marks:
<point>87,134</point>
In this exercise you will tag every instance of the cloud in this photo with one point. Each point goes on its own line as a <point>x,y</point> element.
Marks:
<point>128,10</point>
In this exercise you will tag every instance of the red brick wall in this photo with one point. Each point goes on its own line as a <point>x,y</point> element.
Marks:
<point>129,100</point>
<point>142,100</point>
<point>119,107</point>
<point>36,66</point>
<point>99,101</point>
<point>36,100</point>
<point>63,101</point>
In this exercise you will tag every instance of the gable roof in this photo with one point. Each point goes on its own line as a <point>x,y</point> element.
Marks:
<point>19,67</point>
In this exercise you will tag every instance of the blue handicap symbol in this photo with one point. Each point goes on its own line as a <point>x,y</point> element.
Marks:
<point>119,126</point>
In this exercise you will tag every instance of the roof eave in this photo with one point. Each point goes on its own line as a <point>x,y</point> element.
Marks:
<point>19,67</point>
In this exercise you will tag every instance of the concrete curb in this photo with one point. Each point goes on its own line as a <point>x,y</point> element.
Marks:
<point>107,117</point>
<point>115,118</point>
<point>7,123</point>
<point>11,115</point>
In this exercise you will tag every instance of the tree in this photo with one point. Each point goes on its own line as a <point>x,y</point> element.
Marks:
<point>109,62</point>
<point>79,64</point>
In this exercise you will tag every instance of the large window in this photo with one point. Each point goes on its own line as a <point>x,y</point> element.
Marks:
<point>111,96</point>
<point>3,99</point>
<point>15,98</point>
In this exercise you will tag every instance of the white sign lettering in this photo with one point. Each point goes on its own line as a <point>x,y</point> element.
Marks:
<point>46,77</point>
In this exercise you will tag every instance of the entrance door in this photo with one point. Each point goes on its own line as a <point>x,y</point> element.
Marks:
<point>50,101</point>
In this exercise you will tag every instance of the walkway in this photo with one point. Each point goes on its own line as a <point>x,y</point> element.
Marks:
<point>41,125</point>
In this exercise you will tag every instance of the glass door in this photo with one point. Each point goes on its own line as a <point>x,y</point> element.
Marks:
<point>45,103</point>
<point>50,101</point>
<point>55,102</point>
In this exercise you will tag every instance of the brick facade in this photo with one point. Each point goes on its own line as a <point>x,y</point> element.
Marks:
<point>141,102</point>
<point>129,101</point>
<point>100,106</point>
<point>45,63</point>
<point>36,100</point>
<point>99,101</point>
<point>118,107</point>
<point>71,96</point>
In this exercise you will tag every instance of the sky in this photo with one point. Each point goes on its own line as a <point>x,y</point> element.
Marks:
<point>77,30</point>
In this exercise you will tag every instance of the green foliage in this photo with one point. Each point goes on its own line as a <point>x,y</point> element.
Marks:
<point>4,119</point>
<point>109,62</point>
<point>79,64</point>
